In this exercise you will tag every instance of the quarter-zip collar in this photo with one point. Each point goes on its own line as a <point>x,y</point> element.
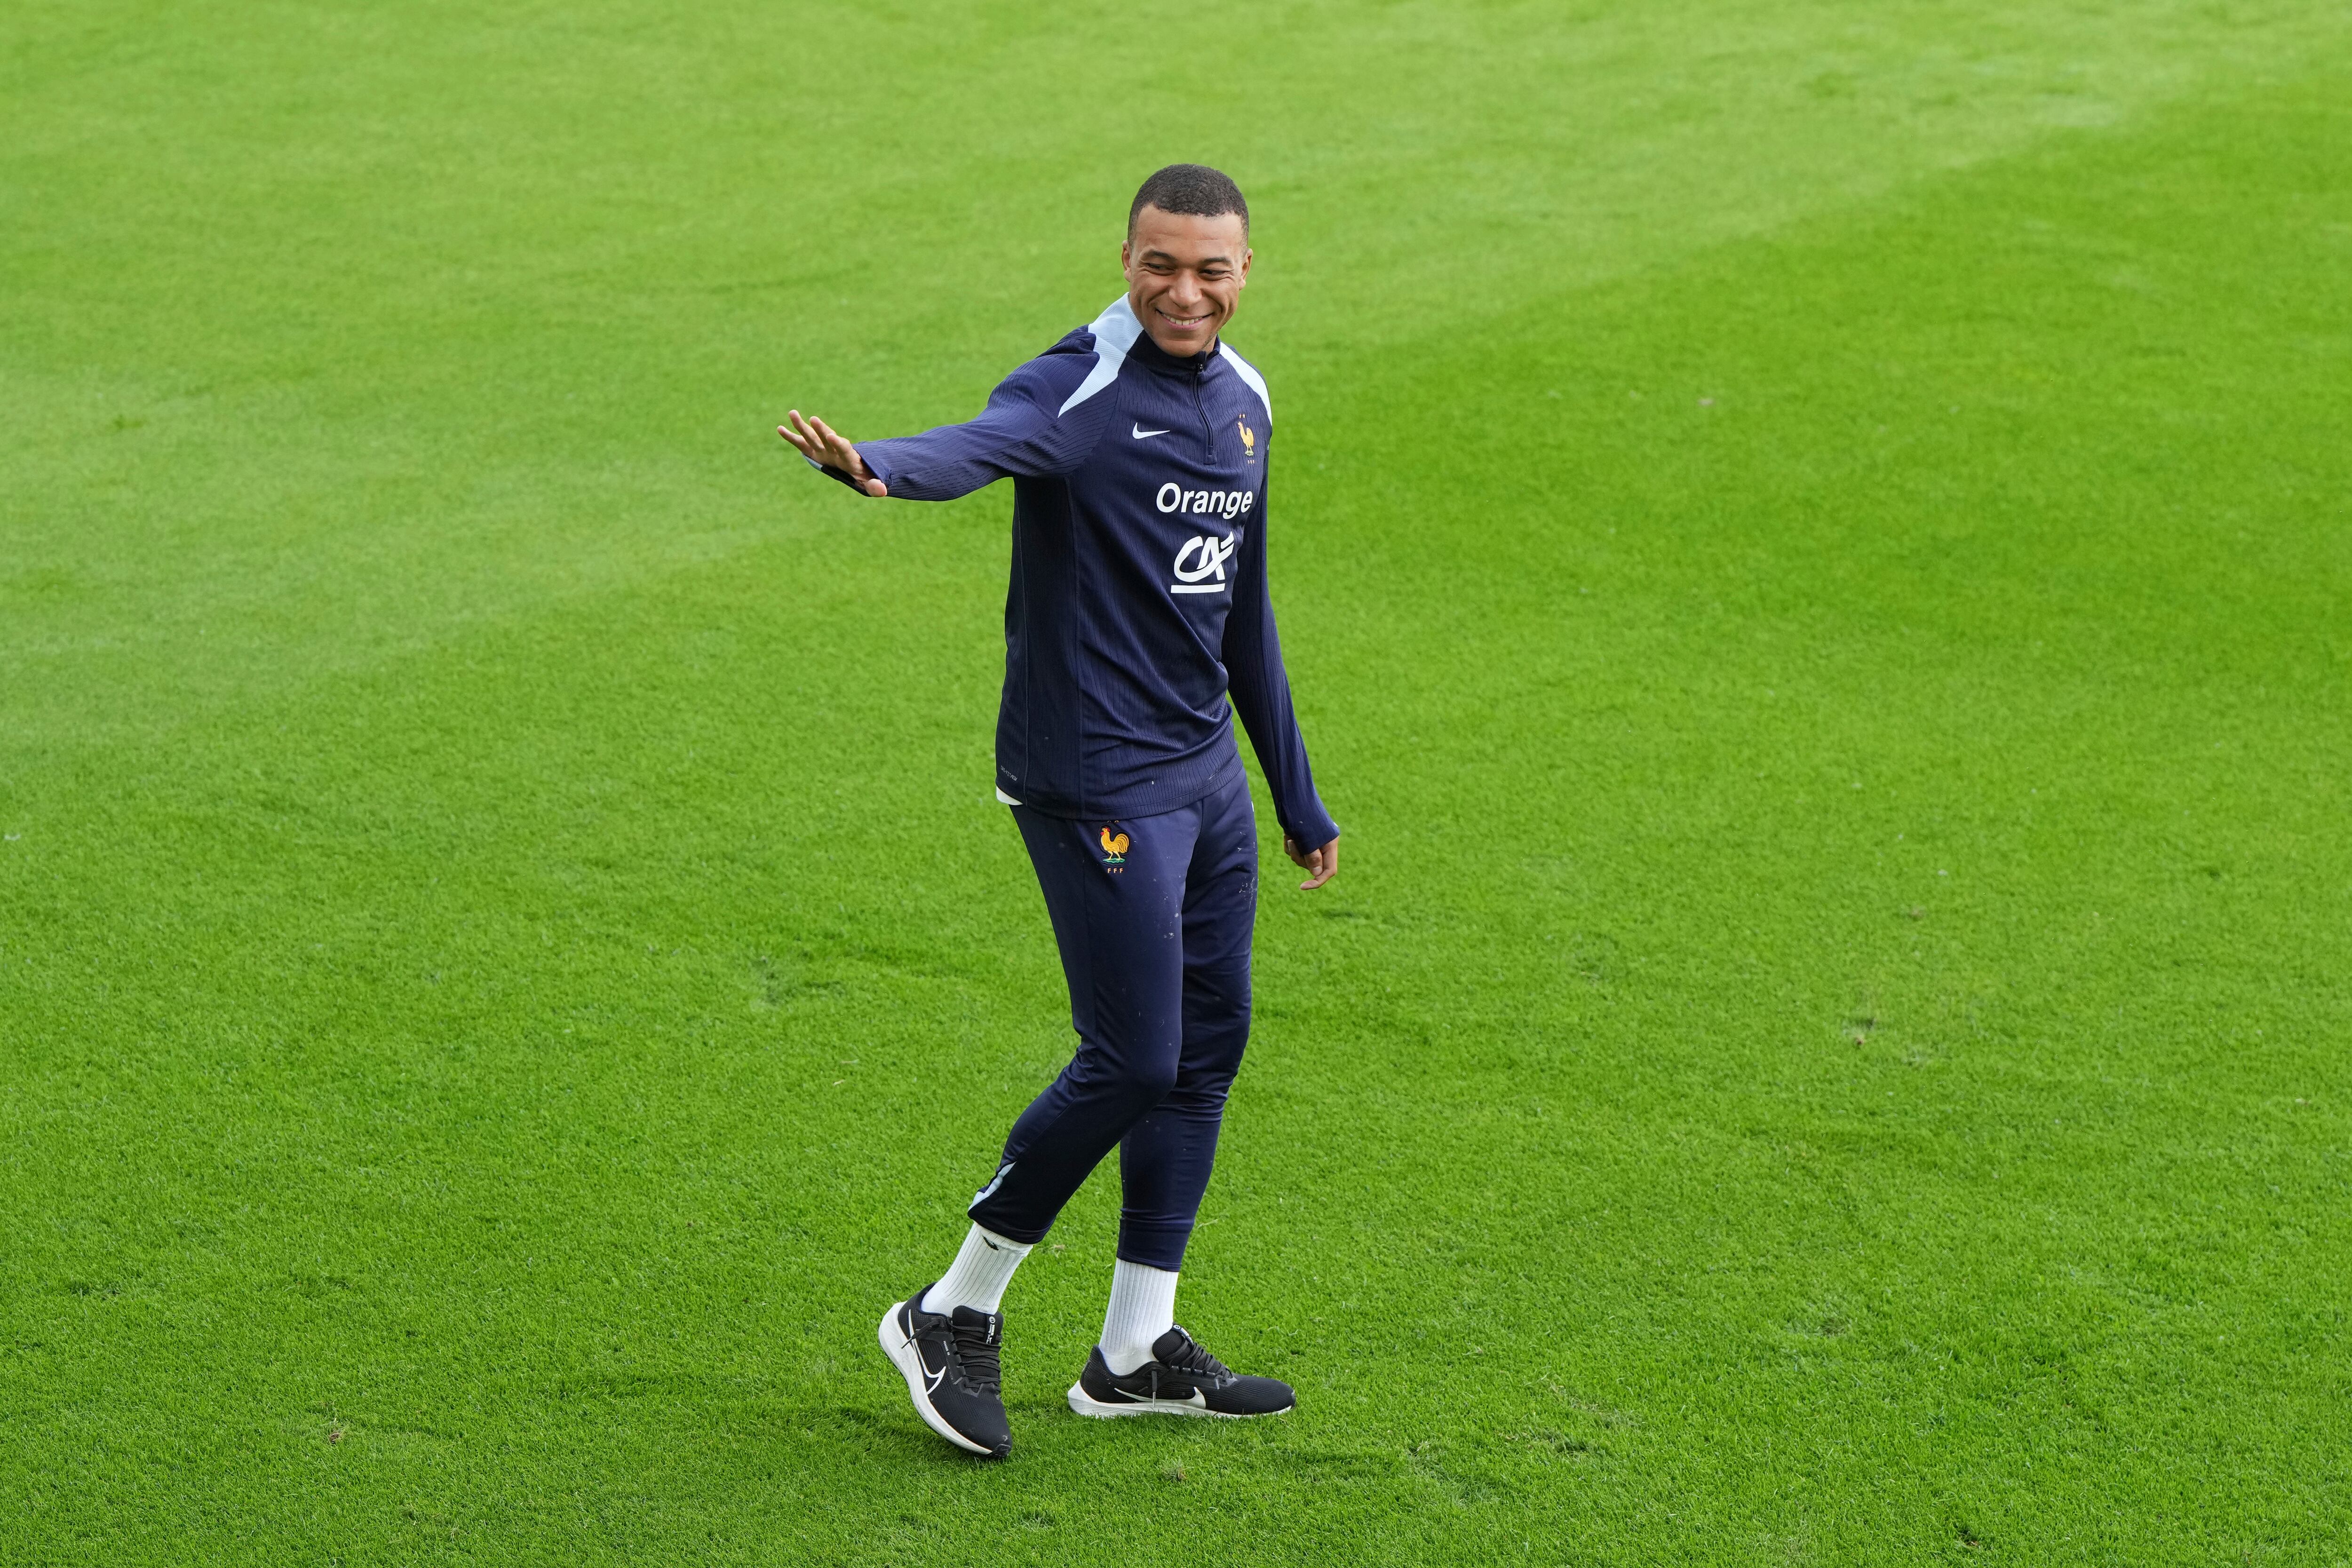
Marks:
<point>1157,359</point>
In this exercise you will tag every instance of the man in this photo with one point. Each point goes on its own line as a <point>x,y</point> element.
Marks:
<point>1138,448</point>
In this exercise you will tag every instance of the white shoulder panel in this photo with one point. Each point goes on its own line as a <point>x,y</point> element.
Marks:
<point>1248,373</point>
<point>1115,331</point>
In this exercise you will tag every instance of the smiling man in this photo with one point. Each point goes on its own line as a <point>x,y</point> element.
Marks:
<point>1138,448</point>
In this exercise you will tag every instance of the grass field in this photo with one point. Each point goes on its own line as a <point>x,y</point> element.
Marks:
<point>1813,547</point>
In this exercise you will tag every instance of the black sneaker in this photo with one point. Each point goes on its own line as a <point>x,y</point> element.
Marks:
<point>1180,1379</point>
<point>949,1362</point>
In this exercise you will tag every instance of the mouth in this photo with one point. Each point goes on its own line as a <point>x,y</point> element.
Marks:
<point>1182,323</point>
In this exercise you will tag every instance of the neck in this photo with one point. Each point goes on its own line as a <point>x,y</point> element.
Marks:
<point>1182,355</point>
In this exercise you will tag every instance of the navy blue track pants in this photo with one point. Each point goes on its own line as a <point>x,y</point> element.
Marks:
<point>1153,917</point>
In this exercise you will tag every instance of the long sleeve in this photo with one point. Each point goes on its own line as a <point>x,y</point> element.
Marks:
<point>1260,690</point>
<point>1021,434</point>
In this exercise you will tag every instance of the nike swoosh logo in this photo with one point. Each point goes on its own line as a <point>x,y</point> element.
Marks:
<point>932,1377</point>
<point>1141,434</point>
<point>1198,1400</point>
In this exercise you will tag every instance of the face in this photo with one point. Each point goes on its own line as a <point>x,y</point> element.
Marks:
<point>1184,275</point>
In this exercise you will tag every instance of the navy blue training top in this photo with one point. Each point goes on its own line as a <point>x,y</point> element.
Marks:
<point>1138,598</point>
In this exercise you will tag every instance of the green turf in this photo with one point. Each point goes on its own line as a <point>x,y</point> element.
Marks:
<point>1810,543</point>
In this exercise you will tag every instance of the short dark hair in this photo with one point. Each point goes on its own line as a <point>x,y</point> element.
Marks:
<point>1193,188</point>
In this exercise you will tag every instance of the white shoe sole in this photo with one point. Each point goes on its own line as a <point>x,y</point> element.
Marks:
<point>910,1362</point>
<point>1086,1403</point>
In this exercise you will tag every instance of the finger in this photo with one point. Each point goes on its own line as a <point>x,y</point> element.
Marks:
<point>825,444</point>
<point>838,444</point>
<point>795,437</point>
<point>843,455</point>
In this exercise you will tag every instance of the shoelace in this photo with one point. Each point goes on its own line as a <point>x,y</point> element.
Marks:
<point>1194,1362</point>
<point>982,1371</point>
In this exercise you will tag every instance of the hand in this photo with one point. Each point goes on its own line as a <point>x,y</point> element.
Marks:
<point>819,442</point>
<point>1321,865</point>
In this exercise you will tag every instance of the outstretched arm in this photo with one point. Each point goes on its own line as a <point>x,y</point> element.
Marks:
<point>1023,432</point>
<point>822,445</point>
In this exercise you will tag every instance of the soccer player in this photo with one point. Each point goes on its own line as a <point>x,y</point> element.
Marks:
<point>1138,450</point>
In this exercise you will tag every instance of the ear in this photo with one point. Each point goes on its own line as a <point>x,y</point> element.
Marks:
<point>1247,254</point>
<point>1127,258</point>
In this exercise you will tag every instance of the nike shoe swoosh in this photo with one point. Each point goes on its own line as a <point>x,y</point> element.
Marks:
<point>933,1378</point>
<point>1198,1400</point>
<point>1141,434</point>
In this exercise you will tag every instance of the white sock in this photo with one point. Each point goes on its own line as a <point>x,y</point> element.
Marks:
<point>1142,1308</point>
<point>982,1271</point>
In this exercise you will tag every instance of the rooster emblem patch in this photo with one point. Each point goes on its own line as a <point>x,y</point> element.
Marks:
<point>1249,439</point>
<point>1114,847</point>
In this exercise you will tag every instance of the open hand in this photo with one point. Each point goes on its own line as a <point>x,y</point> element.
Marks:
<point>1320,865</point>
<point>821,443</point>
